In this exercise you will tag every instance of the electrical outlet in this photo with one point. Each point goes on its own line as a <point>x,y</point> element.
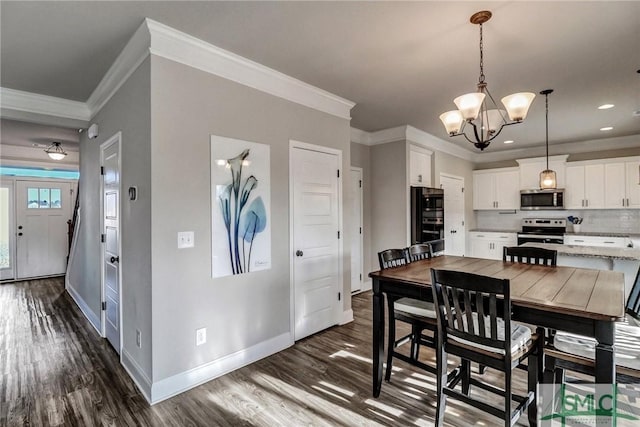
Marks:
<point>138,338</point>
<point>201,336</point>
<point>185,239</point>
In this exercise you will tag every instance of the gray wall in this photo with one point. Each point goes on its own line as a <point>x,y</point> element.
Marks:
<point>361,157</point>
<point>448,164</point>
<point>389,198</point>
<point>127,111</point>
<point>188,106</point>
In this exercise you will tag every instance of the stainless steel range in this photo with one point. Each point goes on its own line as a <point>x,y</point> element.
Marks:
<point>542,230</point>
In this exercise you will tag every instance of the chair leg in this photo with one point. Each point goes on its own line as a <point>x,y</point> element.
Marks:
<point>466,376</point>
<point>507,398</point>
<point>559,376</point>
<point>441,382</point>
<point>533,376</point>
<point>415,342</point>
<point>481,369</point>
<point>392,338</point>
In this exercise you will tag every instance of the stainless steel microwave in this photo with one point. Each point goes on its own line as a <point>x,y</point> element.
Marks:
<point>535,200</point>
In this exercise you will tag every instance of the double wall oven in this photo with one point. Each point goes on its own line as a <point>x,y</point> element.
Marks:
<point>427,214</point>
<point>542,230</point>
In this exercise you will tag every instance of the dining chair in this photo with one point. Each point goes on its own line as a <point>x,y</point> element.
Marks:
<point>576,353</point>
<point>530,255</point>
<point>419,251</point>
<point>474,323</point>
<point>417,313</point>
<point>437,247</point>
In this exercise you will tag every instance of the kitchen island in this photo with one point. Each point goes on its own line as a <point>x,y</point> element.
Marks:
<point>625,260</point>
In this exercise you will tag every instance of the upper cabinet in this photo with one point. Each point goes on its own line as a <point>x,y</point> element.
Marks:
<point>496,189</point>
<point>585,186</point>
<point>530,171</point>
<point>419,166</point>
<point>622,184</point>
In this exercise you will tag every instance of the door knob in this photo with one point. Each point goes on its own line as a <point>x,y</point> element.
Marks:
<point>114,259</point>
<point>299,253</point>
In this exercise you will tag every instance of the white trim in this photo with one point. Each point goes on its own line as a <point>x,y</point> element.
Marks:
<point>360,137</point>
<point>176,384</point>
<point>19,100</point>
<point>347,317</point>
<point>10,273</point>
<point>367,285</point>
<point>83,306</point>
<point>177,46</point>
<point>137,374</point>
<point>293,144</point>
<point>562,158</point>
<point>360,195</point>
<point>115,139</point>
<point>132,55</point>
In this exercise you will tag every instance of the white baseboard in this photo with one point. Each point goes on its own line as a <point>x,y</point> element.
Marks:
<point>367,285</point>
<point>137,374</point>
<point>347,316</point>
<point>176,384</point>
<point>84,307</point>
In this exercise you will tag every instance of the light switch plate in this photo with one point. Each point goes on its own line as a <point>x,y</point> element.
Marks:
<point>185,239</point>
<point>201,336</point>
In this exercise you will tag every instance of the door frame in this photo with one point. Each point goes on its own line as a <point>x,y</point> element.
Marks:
<point>464,204</point>
<point>115,139</point>
<point>359,194</point>
<point>293,144</point>
<point>13,253</point>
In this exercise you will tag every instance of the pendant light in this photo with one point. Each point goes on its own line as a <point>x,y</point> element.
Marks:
<point>55,151</point>
<point>547,176</point>
<point>474,109</point>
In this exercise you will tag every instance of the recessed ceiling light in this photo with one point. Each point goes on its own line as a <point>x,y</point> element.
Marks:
<point>605,106</point>
<point>606,128</point>
<point>508,141</point>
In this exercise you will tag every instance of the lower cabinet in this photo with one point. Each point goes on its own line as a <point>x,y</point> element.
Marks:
<point>490,244</point>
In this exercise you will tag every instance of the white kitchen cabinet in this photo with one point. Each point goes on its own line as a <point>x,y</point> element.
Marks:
<point>530,171</point>
<point>419,166</point>
<point>496,189</point>
<point>490,244</point>
<point>621,185</point>
<point>599,241</point>
<point>585,186</point>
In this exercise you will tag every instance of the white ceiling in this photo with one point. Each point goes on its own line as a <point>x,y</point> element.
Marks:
<point>401,62</point>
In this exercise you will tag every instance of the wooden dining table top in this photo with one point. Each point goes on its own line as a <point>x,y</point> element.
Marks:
<point>594,294</point>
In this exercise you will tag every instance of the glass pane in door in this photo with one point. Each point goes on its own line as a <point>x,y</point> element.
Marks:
<point>5,253</point>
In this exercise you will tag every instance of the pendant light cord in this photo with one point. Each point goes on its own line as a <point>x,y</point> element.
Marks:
<point>481,79</point>
<point>546,118</point>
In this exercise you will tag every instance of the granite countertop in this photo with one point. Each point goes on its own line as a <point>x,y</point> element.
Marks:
<point>600,234</point>
<point>590,251</point>
<point>484,230</point>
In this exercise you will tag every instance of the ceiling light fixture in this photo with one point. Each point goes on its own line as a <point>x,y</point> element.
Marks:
<point>55,151</point>
<point>472,108</point>
<point>547,176</point>
<point>604,129</point>
<point>605,106</point>
<point>509,141</point>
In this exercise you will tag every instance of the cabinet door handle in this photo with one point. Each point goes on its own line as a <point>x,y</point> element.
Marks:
<point>583,203</point>
<point>622,202</point>
<point>419,178</point>
<point>627,202</point>
<point>587,202</point>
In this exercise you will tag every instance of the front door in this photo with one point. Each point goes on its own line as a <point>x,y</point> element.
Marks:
<point>454,228</point>
<point>44,207</point>
<point>316,263</point>
<point>111,231</point>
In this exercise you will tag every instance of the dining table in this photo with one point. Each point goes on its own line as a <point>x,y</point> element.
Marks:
<point>577,300</point>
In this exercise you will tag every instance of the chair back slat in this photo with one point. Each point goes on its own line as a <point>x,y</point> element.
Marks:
<point>463,300</point>
<point>437,247</point>
<point>530,255</point>
<point>633,302</point>
<point>392,258</point>
<point>419,251</point>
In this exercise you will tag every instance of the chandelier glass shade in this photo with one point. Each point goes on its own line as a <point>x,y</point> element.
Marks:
<point>547,177</point>
<point>474,110</point>
<point>55,151</point>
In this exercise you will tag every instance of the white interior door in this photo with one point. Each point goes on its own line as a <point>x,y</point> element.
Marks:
<point>42,211</point>
<point>454,225</point>
<point>355,232</point>
<point>7,233</point>
<point>316,258</point>
<point>111,235</point>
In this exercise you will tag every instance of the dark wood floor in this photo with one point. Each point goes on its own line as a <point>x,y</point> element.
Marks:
<point>56,370</point>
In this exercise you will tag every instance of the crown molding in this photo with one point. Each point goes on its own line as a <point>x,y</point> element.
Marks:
<point>177,46</point>
<point>411,134</point>
<point>18,100</point>
<point>132,55</point>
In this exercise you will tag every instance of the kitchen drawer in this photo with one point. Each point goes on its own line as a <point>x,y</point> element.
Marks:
<point>611,242</point>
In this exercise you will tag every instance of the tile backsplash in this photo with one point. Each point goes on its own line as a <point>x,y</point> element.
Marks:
<point>595,221</point>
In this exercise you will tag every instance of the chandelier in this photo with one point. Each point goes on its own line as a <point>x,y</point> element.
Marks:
<point>486,121</point>
<point>55,151</point>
